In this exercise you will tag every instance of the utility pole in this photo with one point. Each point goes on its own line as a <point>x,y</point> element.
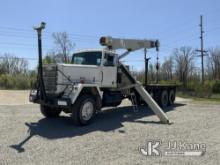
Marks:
<point>157,69</point>
<point>40,67</point>
<point>203,52</point>
<point>146,60</point>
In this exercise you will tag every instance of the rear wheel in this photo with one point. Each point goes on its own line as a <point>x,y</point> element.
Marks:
<point>163,100</point>
<point>171,97</point>
<point>83,110</point>
<point>50,112</point>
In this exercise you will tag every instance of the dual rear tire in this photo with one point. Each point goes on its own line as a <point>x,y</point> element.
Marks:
<point>166,99</point>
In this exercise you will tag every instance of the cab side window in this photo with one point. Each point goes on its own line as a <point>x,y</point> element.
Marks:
<point>109,60</point>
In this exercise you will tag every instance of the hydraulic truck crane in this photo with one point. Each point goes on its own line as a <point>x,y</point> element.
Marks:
<point>94,79</point>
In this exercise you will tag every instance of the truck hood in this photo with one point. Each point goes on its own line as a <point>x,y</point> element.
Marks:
<point>77,73</point>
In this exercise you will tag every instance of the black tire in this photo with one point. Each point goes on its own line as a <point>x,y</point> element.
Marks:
<point>139,100</point>
<point>164,99</point>
<point>77,110</point>
<point>172,96</point>
<point>50,112</point>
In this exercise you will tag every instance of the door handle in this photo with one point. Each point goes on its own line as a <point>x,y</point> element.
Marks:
<point>102,76</point>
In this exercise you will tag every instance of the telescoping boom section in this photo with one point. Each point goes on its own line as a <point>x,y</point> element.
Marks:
<point>128,44</point>
<point>133,45</point>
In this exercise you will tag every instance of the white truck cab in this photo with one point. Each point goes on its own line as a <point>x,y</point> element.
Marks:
<point>102,66</point>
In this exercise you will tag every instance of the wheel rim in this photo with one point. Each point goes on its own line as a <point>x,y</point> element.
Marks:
<point>164,99</point>
<point>172,97</point>
<point>87,110</point>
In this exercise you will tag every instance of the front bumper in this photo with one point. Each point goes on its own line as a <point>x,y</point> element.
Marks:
<point>52,101</point>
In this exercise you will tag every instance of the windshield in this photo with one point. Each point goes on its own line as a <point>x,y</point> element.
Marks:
<point>87,58</point>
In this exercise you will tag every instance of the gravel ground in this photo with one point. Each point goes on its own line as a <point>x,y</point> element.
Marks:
<point>113,138</point>
<point>14,97</point>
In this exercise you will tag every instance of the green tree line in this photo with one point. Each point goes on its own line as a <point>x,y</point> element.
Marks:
<point>14,73</point>
<point>182,68</point>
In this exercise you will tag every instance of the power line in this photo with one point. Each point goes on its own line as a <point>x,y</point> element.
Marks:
<point>46,37</point>
<point>11,29</point>
<point>23,58</point>
<point>29,33</point>
<point>21,44</point>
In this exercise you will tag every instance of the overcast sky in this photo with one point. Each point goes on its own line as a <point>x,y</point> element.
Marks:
<point>174,22</point>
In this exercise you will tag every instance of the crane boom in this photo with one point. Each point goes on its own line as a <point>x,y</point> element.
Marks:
<point>128,44</point>
<point>133,45</point>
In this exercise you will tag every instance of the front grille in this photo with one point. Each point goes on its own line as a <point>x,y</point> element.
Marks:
<point>50,78</point>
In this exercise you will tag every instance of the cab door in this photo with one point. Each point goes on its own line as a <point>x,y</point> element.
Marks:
<point>109,70</point>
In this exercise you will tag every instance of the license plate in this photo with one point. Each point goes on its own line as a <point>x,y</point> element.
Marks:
<point>61,102</point>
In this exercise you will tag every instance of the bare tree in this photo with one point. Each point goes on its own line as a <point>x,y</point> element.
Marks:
<point>184,63</point>
<point>214,60</point>
<point>63,43</point>
<point>151,72</point>
<point>209,69</point>
<point>53,57</point>
<point>167,68</point>
<point>13,65</point>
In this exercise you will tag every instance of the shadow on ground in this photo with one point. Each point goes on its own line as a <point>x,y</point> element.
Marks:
<point>107,120</point>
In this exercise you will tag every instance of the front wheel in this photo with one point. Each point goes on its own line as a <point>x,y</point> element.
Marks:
<point>83,110</point>
<point>50,112</point>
